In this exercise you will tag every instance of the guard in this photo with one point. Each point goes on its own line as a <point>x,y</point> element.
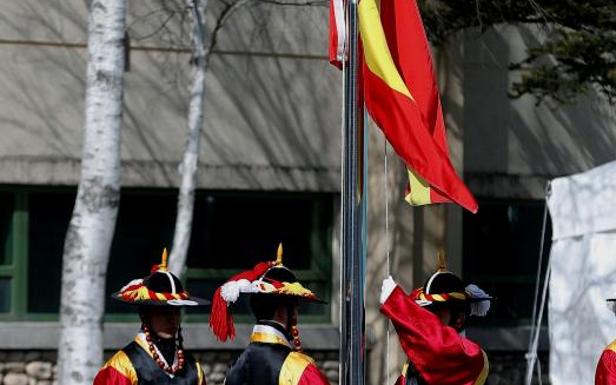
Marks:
<point>430,325</point>
<point>156,356</point>
<point>274,355</point>
<point>606,368</point>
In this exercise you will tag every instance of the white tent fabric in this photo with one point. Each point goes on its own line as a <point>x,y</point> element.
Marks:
<point>583,275</point>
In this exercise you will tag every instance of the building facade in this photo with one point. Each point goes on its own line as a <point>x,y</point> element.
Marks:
<point>269,172</point>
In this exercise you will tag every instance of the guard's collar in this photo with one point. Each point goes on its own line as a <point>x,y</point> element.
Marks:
<point>270,332</point>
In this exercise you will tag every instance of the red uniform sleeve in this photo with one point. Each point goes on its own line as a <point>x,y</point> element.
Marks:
<point>439,353</point>
<point>606,369</point>
<point>312,376</point>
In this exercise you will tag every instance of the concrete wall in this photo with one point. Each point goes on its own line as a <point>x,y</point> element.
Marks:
<point>256,135</point>
<point>512,146</point>
<point>39,367</point>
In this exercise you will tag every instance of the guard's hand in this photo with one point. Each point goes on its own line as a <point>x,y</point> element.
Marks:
<point>386,288</point>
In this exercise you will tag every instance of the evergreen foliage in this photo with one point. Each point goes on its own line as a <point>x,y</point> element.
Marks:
<point>578,54</point>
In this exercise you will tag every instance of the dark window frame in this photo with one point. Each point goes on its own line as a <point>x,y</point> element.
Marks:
<point>17,270</point>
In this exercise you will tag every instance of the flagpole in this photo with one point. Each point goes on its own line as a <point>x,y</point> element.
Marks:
<point>352,347</point>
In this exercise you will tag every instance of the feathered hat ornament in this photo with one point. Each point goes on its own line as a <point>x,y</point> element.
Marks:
<point>253,281</point>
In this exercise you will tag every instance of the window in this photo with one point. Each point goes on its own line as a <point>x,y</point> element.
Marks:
<point>231,232</point>
<point>11,220</point>
<point>501,251</point>
<point>48,216</point>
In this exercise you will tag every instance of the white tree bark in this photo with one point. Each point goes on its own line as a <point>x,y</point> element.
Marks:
<point>188,168</point>
<point>88,239</point>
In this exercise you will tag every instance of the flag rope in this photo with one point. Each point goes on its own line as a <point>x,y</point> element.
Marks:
<point>387,255</point>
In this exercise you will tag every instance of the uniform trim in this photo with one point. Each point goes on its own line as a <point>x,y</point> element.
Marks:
<point>612,346</point>
<point>483,376</point>
<point>293,367</point>
<point>121,363</point>
<point>144,344</point>
<point>268,335</point>
<point>267,338</point>
<point>199,373</point>
<point>405,367</point>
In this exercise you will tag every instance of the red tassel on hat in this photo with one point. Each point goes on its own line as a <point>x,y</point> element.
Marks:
<point>221,319</point>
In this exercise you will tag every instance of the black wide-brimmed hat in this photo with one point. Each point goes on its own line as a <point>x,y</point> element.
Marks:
<point>160,288</point>
<point>266,278</point>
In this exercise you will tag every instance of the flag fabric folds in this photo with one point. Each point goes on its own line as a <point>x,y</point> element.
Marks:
<point>402,97</point>
<point>337,33</point>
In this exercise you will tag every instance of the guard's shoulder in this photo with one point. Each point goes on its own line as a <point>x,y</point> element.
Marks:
<point>472,349</point>
<point>611,346</point>
<point>118,369</point>
<point>301,358</point>
<point>299,368</point>
<point>120,361</point>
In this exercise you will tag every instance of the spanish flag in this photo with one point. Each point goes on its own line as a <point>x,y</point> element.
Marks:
<point>402,97</point>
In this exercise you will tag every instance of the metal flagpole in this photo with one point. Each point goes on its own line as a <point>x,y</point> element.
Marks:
<point>352,365</point>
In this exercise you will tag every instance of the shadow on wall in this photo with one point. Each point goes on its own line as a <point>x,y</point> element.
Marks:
<point>41,87</point>
<point>516,136</point>
<point>272,100</point>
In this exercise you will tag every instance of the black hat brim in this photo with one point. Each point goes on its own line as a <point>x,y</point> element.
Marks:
<point>188,302</point>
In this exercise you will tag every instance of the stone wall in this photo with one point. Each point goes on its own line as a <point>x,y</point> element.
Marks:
<point>39,368</point>
<point>28,368</point>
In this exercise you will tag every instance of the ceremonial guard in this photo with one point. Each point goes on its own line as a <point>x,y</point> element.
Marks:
<point>606,368</point>
<point>274,355</point>
<point>430,325</point>
<point>156,356</point>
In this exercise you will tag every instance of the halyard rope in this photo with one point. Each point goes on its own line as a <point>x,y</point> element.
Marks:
<point>387,255</point>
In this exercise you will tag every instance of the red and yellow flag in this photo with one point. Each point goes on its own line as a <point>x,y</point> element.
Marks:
<point>401,96</point>
<point>337,33</point>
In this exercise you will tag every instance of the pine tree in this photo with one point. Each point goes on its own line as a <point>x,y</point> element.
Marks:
<point>578,55</point>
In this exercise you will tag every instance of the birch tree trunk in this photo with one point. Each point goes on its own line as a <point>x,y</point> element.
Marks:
<point>188,168</point>
<point>88,239</point>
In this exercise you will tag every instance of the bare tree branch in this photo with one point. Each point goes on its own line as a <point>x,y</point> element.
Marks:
<point>226,13</point>
<point>162,26</point>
